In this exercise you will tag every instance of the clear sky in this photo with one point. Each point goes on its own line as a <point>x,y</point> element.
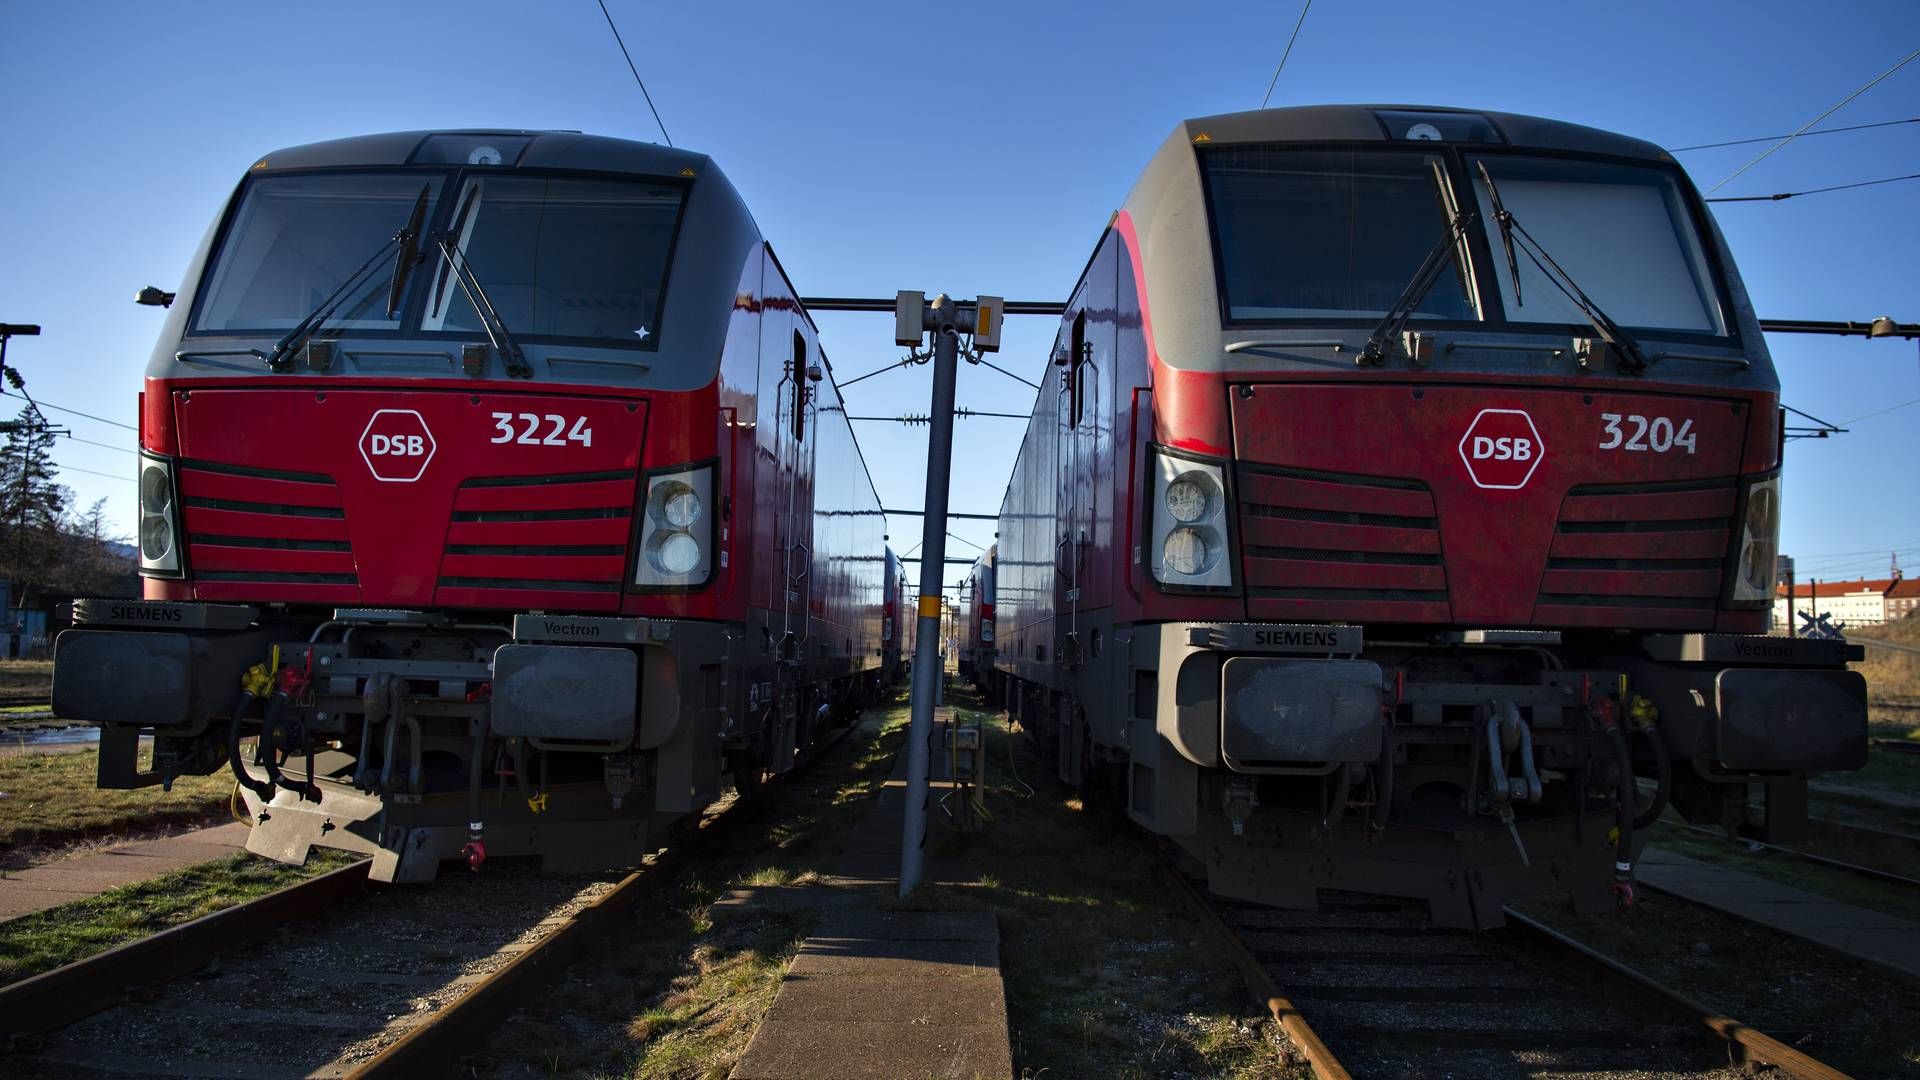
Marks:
<point>882,147</point>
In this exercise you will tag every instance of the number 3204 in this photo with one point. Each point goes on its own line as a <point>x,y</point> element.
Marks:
<point>529,429</point>
<point>1639,433</point>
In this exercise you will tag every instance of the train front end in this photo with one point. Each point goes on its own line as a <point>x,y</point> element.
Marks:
<point>1459,516</point>
<point>434,503</point>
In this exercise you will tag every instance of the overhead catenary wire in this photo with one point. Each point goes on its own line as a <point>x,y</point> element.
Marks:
<point>636,71</point>
<point>1804,134</point>
<point>89,472</point>
<point>1804,128</point>
<point>89,416</point>
<point>102,445</point>
<point>1778,196</point>
<point>1291,38</point>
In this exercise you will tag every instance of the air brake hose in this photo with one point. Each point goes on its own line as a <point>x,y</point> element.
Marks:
<point>476,848</point>
<point>240,773</point>
<point>1628,795</point>
<point>1383,784</point>
<point>1663,782</point>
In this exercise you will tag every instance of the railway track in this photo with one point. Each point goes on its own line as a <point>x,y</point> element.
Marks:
<point>335,977</point>
<point>1365,990</point>
<point>1866,842</point>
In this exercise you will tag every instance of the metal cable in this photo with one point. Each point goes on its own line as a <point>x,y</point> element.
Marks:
<point>1804,127</point>
<point>636,72</point>
<point>1288,52</point>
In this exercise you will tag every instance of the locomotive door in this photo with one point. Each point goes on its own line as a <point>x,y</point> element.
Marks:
<point>1070,458</point>
<point>793,499</point>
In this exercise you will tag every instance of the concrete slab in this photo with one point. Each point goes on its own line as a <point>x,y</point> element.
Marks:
<point>1885,941</point>
<point>877,993</point>
<point>914,999</point>
<point>37,888</point>
<point>818,1049</point>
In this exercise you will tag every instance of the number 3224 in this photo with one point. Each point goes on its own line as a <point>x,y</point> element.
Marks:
<point>529,433</point>
<point>1635,432</point>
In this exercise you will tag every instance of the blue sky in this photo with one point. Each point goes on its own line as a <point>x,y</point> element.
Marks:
<point>875,160</point>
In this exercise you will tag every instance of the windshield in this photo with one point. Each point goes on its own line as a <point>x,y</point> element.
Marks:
<point>295,239</point>
<point>1621,231</point>
<point>561,257</point>
<point>1331,233</point>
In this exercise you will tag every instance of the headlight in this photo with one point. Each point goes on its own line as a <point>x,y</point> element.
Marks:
<point>1188,527</point>
<point>159,519</point>
<point>1753,570</point>
<point>677,529</point>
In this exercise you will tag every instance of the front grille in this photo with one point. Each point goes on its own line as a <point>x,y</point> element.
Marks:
<point>1324,545</point>
<point>547,534</point>
<point>1638,555</point>
<point>249,526</point>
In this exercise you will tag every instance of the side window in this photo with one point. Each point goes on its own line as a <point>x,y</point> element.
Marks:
<point>1076,359</point>
<point>799,387</point>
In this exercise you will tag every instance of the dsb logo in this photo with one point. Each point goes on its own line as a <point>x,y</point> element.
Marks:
<point>396,445</point>
<point>1501,448</point>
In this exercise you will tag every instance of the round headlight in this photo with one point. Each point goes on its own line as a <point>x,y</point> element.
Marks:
<point>677,555</point>
<point>1187,498</point>
<point>1187,552</point>
<point>681,508</point>
<point>156,538</point>
<point>156,494</point>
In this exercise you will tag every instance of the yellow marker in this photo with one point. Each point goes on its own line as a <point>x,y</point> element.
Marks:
<point>1203,137</point>
<point>930,607</point>
<point>687,172</point>
<point>261,164</point>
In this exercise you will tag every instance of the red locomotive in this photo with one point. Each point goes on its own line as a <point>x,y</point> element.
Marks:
<point>975,662</point>
<point>497,481</point>
<point>1406,487</point>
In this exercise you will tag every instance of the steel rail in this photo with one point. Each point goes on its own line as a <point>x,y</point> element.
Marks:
<point>54,999</point>
<point>1756,1045</point>
<point>429,1046</point>
<point>1288,1015</point>
<point>1750,1043</point>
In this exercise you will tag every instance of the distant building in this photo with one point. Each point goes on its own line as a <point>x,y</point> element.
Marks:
<point>1903,599</point>
<point>1868,602</point>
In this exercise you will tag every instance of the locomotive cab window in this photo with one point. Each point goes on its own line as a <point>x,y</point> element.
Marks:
<point>561,257</point>
<point>1318,234</point>
<point>296,239</point>
<point>1623,232</point>
<point>1076,361</point>
<point>799,387</point>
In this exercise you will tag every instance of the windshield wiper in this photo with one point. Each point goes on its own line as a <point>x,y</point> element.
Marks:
<point>324,311</point>
<point>490,320</point>
<point>1424,279</point>
<point>409,254</point>
<point>1633,360</point>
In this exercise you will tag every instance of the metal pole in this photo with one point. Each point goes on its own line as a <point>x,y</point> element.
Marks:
<point>941,314</point>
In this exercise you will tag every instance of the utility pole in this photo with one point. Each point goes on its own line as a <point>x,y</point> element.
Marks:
<point>913,317</point>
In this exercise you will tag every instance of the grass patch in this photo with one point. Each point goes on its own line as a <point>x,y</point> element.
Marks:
<point>50,799</point>
<point>47,939</point>
<point>1107,975</point>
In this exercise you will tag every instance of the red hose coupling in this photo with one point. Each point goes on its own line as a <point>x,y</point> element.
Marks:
<point>1623,895</point>
<point>292,681</point>
<point>476,853</point>
<point>1606,712</point>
